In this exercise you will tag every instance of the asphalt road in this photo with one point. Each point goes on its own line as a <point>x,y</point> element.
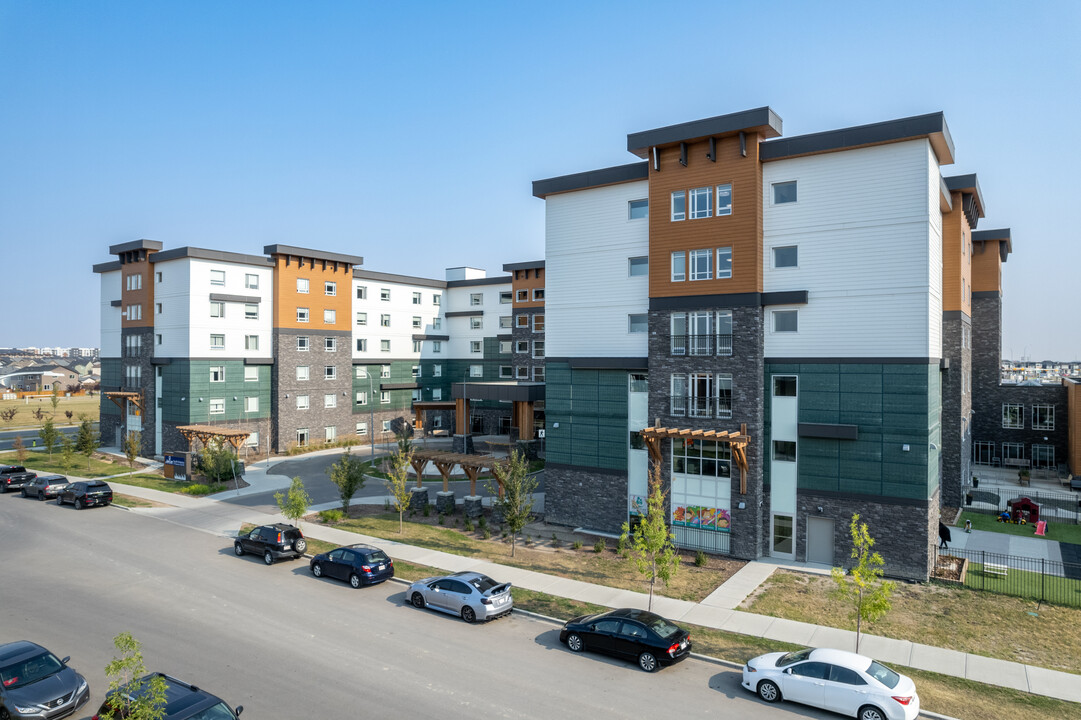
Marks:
<point>285,645</point>
<point>30,436</point>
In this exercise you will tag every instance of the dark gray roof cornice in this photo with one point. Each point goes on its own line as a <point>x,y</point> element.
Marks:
<point>591,178</point>
<point>969,187</point>
<point>504,280</point>
<point>511,267</point>
<point>314,254</point>
<point>107,266</point>
<point>152,245</point>
<point>1005,246</point>
<point>206,254</point>
<point>402,279</point>
<point>931,126</point>
<point>762,120</point>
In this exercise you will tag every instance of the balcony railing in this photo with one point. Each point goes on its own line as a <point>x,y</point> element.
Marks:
<point>701,344</point>
<point>700,407</point>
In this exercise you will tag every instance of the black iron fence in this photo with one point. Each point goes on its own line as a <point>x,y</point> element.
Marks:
<point>701,344</point>
<point>1032,578</point>
<point>1054,507</point>
<point>692,538</point>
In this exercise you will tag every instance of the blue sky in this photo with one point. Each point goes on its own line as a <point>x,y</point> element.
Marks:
<point>409,133</point>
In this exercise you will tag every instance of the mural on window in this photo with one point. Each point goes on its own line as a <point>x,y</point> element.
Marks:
<point>701,487</point>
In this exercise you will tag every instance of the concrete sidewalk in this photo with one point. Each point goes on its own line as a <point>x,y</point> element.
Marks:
<point>716,611</point>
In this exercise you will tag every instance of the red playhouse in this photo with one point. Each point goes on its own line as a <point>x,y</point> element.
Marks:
<point>1023,511</point>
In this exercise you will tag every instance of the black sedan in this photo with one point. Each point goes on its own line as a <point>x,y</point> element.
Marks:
<point>359,564</point>
<point>84,494</point>
<point>45,486</point>
<point>633,634</point>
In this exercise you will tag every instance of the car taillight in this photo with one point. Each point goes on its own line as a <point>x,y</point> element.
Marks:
<point>486,601</point>
<point>903,700</point>
<point>673,649</point>
<point>279,538</point>
<point>366,568</point>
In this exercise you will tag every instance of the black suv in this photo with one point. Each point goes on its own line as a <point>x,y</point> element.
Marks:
<point>272,542</point>
<point>13,477</point>
<point>182,702</point>
<point>85,493</point>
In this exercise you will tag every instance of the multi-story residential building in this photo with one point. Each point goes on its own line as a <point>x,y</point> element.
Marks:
<point>793,295</point>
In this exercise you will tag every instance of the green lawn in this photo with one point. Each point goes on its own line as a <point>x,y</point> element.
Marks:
<point>1024,584</point>
<point>40,463</point>
<point>24,415</point>
<point>157,482</point>
<point>1056,531</point>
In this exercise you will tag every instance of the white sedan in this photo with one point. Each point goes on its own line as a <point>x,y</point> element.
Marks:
<point>836,680</point>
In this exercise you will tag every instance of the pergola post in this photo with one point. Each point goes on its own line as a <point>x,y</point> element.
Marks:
<point>418,467</point>
<point>444,468</point>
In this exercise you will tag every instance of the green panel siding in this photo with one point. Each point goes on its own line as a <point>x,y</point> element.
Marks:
<point>186,392</point>
<point>401,371</point>
<point>590,407</point>
<point>112,376</point>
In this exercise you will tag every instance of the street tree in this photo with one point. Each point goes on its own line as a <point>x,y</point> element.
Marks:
<point>86,441</point>
<point>294,503</point>
<point>652,544</point>
<point>20,449</point>
<point>132,443</point>
<point>133,694</point>
<point>397,482</point>
<point>515,502</point>
<point>67,453</point>
<point>863,588</point>
<point>48,435</point>
<point>9,414</point>
<point>348,475</point>
<point>55,397</point>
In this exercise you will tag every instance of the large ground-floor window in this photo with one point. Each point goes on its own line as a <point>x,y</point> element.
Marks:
<point>983,452</point>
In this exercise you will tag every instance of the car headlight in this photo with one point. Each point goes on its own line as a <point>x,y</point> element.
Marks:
<point>82,686</point>
<point>25,710</point>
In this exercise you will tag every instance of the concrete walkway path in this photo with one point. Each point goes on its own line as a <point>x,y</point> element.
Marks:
<point>716,611</point>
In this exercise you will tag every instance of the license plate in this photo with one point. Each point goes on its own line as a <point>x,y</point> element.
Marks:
<point>500,600</point>
<point>382,567</point>
<point>683,645</point>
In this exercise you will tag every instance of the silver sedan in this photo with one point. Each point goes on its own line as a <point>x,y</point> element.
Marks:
<point>471,595</point>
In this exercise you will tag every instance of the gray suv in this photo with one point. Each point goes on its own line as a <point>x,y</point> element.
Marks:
<point>35,684</point>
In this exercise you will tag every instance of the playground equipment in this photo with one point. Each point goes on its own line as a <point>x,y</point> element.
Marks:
<point>1020,511</point>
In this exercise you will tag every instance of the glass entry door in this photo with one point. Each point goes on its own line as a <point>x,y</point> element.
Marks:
<point>783,544</point>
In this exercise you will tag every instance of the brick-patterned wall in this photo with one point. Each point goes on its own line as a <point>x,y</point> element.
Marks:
<point>585,497</point>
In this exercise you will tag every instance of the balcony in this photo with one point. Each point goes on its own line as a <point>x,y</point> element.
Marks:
<point>699,345</point>
<point>700,407</point>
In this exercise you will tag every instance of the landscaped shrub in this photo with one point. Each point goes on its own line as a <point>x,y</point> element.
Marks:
<point>486,534</point>
<point>555,541</point>
<point>577,545</point>
<point>700,559</point>
<point>599,546</point>
<point>331,516</point>
<point>200,489</point>
<point>482,522</point>
<point>468,527</point>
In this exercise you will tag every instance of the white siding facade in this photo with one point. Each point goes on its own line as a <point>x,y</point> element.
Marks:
<point>401,310</point>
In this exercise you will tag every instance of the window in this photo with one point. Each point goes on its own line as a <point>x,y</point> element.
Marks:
<point>253,440</point>
<point>1043,417</point>
<point>134,312</point>
<point>437,346</point>
<point>157,308</point>
<point>724,200</point>
<point>417,346</point>
<point>384,371</point>
<point>724,263</point>
<point>217,373</point>
<point>437,371</point>
<point>521,321</point>
<point>701,264</point>
<point>474,346</point>
<point>217,309</point>
<point>437,394</point>
<point>158,337</point>
<point>361,372</point>
<point>362,429</point>
<point>386,426</point>
<point>330,400</point>
<point>538,323</point>
<point>785,321</point>
<point>638,383</point>
<point>302,437</point>
<point>415,371</point>
<point>679,205</point>
<point>415,395</point>
<point>302,372</point>
<point>217,406</point>
<point>384,397</point>
<point>384,294</point>
<point>476,323</point>
<point>302,315</point>
<point>679,266</point>
<point>476,299</point>
<point>1013,451</point>
<point>784,192</point>
<point>638,209</point>
<point>330,288</point>
<point>384,320</point>
<point>982,452</point>
<point>417,322</point>
<point>251,373</point>
<point>157,276</point>
<point>362,292</point>
<point>217,277</point>
<point>785,257</point>
<point>330,433</point>
<point>330,317</point>
<point>638,266</point>
<point>521,346</point>
<point>217,342</point>
<point>437,323</point>
<point>784,386</point>
<point>538,373</point>
<point>251,282</point>
<point>638,323</point>
<point>1013,416</point>
<point>708,458</point>
<point>506,372</point>
<point>784,451</point>
<point>384,346</point>
<point>538,293</point>
<point>522,296</point>
<point>436,299</point>
<point>362,318</point>
<point>303,343</point>
<point>416,298</point>
<point>330,372</point>
<point>302,286</point>
<point>701,395</point>
<point>251,311</point>
<point>505,297</point>
<point>251,404</point>
<point>135,282</point>
<point>538,348</point>
<point>701,203</point>
<point>1043,456</point>
<point>476,371</point>
<point>362,398</point>
<point>330,344</point>
<point>522,372</point>
<point>504,322</point>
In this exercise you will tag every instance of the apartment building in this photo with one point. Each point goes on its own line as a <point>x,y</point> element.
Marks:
<point>774,316</point>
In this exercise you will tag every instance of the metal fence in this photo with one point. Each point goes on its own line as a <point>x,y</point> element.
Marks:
<point>692,538</point>
<point>1059,507</point>
<point>1033,578</point>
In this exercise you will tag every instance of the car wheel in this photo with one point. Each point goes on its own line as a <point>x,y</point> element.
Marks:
<point>574,642</point>
<point>24,492</point>
<point>59,500</point>
<point>418,600</point>
<point>869,712</point>
<point>41,496</point>
<point>238,549</point>
<point>317,570</point>
<point>4,714</point>
<point>354,580</point>
<point>300,545</point>
<point>468,615</point>
<point>78,504</point>
<point>647,661</point>
<point>268,558</point>
<point>768,691</point>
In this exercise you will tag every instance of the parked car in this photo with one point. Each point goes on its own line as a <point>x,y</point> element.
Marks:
<point>272,542</point>
<point>182,702</point>
<point>628,633</point>
<point>35,684</point>
<point>15,480</point>
<point>836,680</point>
<point>471,595</point>
<point>359,564</point>
<point>45,487</point>
<point>85,493</point>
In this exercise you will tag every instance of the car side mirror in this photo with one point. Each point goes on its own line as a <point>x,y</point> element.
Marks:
<point>788,671</point>
<point>65,660</point>
<point>239,709</point>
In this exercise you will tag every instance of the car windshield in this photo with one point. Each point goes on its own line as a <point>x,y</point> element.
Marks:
<point>662,627</point>
<point>884,675</point>
<point>30,671</point>
<point>794,657</point>
<point>483,583</point>
<point>220,711</point>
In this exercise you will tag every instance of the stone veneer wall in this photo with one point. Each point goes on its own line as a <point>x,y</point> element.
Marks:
<point>525,360</point>
<point>141,359</point>
<point>288,419</point>
<point>591,498</point>
<point>956,407</point>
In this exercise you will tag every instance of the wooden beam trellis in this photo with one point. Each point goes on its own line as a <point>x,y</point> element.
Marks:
<point>737,441</point>
<point>206,433</point>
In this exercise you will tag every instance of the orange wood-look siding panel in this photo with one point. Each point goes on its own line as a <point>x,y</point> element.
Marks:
<point>986,267</point>
<point>1073,411</point>
<point>143,296</point>
<point>956,259</point>
<point>286,298</point>
<point>534,281</point>
<point>742,230</point>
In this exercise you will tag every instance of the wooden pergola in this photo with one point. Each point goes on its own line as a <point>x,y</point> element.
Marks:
<point>737,441</point>
<point>421,408</point>
<point>118,397</point>
<point>445,462</point>
<point>206,433</point>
